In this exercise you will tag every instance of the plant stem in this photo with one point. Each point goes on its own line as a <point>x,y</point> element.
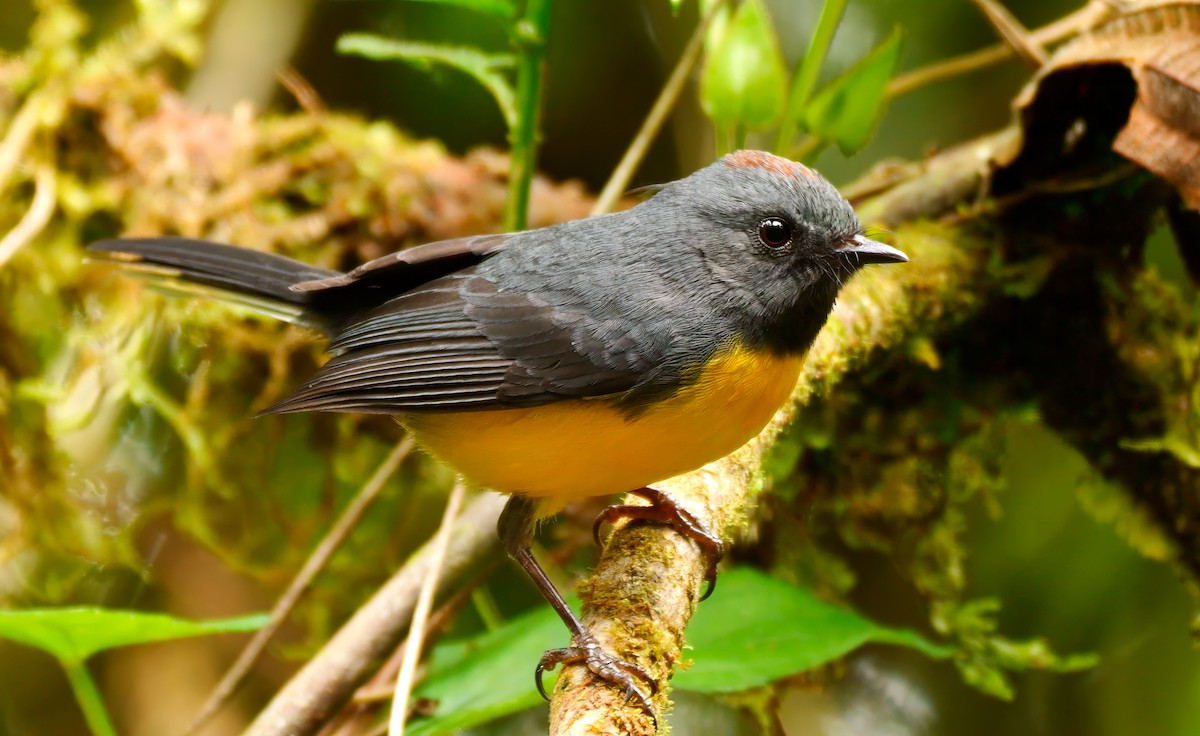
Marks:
<point>1087,17</point>
<point>806,76</point>
<point>807,148</point>
<point>316,562</point>
<point>87,694</point>
<point>417,630</point>
<point>530,37</point>
<point>723,136</point>
<point>486,608</point>
<point>657,116</point>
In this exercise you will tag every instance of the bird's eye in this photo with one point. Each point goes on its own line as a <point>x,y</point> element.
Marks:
<point>775,232</point>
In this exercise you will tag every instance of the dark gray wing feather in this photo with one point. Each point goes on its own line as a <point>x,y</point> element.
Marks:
<point>411,267</point>
<point>460,343</point>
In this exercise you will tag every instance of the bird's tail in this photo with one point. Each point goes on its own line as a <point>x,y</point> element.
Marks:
<point>249,278</point>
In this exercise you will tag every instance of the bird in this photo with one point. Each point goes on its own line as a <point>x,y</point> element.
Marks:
<point>589,358</point>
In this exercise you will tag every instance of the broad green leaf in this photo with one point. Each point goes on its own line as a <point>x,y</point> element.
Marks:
<point>505,9</point>
<point>74,634</point>
<point>805,77</point>
<point>753,631</point>
<point>485,68</point>
<point>745,79</point>
<point>847,110</point>
<point>491,675</point>
<point>756,630</point>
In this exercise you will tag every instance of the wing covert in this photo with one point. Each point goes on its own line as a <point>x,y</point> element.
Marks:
<point>461,343</point>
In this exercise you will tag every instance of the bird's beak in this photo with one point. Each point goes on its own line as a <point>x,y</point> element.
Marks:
<point>861,250</point>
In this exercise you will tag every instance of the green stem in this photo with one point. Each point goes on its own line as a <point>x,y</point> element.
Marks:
<point>485,606</point>
<point>807,149</point>
<point>724,139</point>
<point>810,67</point>
<point>88,696</point>
<point>530,35</point>
<point>671,91</point>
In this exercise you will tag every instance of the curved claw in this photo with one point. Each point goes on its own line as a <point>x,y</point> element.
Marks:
<point>664,510</point>
<point>537,676</point>
<point>605,666</point>
<point>598,523</point>
<point>710,572</point>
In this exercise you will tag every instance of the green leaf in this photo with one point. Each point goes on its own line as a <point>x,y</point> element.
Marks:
<point>74,634</point>
<point>744,78</point>
<point>489,676</point>
<point>805,77</point>
<point>505,9</point>
<point>756,630</point>
<point>847,110</point>
<point>485,68</point>
<point>753,631</point>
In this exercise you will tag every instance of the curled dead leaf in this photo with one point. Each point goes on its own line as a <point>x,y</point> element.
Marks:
<point>1132,84</point>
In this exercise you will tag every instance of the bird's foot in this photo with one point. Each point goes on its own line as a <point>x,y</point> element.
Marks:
<point>664,510</point>
<point>586,650</point>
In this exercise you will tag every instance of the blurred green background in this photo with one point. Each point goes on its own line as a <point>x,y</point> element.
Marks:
<point>1060,572</point>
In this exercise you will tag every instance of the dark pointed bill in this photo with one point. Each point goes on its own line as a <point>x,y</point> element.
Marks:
<point>861,250</point>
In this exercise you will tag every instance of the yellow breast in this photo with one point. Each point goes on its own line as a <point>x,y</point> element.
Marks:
<point>576,449</point>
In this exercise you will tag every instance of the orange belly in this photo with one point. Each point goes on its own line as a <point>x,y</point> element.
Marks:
<point>575,449</point>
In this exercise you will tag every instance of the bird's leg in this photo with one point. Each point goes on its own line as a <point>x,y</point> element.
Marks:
<point>664,510</point>
<point>516,533</point>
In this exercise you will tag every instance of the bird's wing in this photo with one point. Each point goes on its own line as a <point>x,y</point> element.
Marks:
<point>411,267</point>
<point>460,342</point>
<point>345,296</point>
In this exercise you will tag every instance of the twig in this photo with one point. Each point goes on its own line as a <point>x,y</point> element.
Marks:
<point>35,219</point>
<point>358,716</point>
<point>381,686</point>
<point>328,680</point>
<point>1055,186</point>
<point>619,179</point>
<point>416,632</point>
<point>1086,17</point>
<point>1013,33</point>
<point>299,88</point>
<point>314,564</point>
<point>16,138</point>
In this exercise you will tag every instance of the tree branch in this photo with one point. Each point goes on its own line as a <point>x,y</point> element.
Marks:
<point>328,680</point>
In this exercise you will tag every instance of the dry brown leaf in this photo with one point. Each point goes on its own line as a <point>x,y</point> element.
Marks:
<point>1133,83</point>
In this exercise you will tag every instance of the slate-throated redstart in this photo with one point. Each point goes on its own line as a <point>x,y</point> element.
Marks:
<point>589,358</point>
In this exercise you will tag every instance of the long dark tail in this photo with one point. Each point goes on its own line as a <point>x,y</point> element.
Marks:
<point>254,279</point>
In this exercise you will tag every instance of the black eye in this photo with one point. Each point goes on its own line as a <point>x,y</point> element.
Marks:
<point>775,232</point>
